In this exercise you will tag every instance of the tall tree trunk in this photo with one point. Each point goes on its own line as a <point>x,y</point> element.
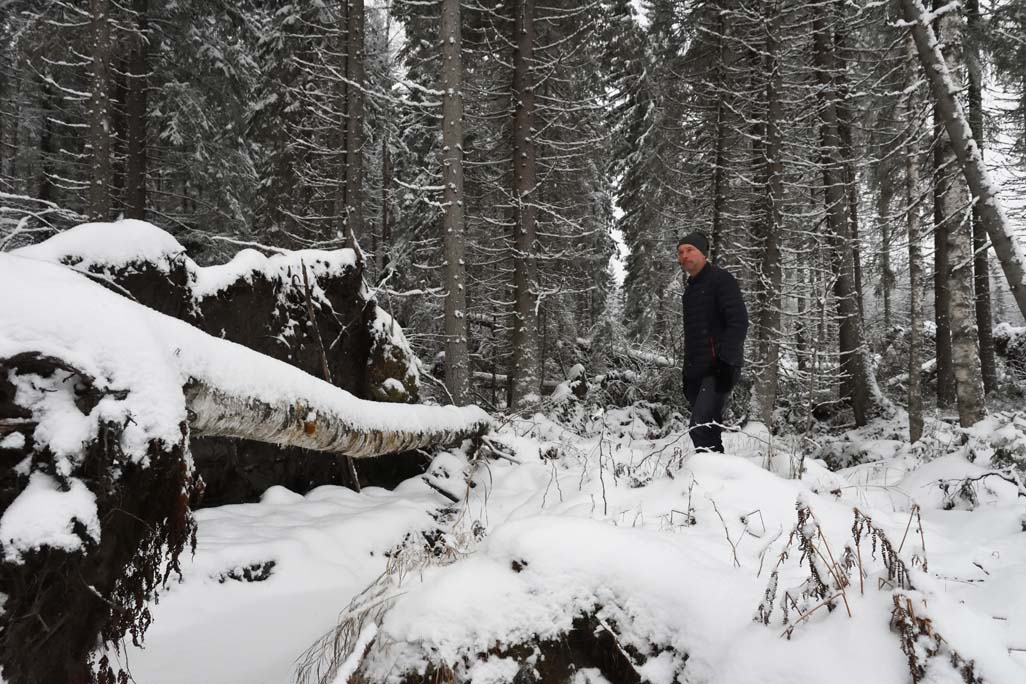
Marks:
<point>342,200</point>
<point>119,104</point>
<point>942,172</point>
<point>525,333</point>
<point>7,94</point>
<point>457,366</point>
<point>99,111</point>
<point>1011,257</point>
<point>135,113</point>
<point>386,219</point>
<point>354,116</point>
<point>915,392</point>
<point>46,146</point>
<point>981,265</point>
<point>719,163</point>
<point>854,367</point>
<point>844,129</point>
<point>764,397</point>
<point>716,250</point>
<point>941,272</point>
<point>883,210</point>
<point>953,201</point>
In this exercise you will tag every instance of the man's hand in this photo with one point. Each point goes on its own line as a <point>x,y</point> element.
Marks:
<point>725,375</point>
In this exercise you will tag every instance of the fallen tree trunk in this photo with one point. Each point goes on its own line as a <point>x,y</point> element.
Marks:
<point>945,91</point>
<point>314,424</point>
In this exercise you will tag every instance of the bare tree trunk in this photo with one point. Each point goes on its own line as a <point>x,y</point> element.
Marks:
<point>46,146</point>
<point>883,216</point>
<point>965,351</point>
<point>355,51</point>
<point>942,172</point>
<point>719,168</point>
<point>7,94</point>
<point>99,111</point>
<point>854,368</point>
<point>981,265</point>
<point>525,333</point>
<point>844,129</point>
<point>342,200</point>
<point>941,270</point>
<point>764,397</point>
<point>457,365</point>
<point>1012,260</point>
<point>386,219</point>
<point>719,198</point>
<point>135,113</point>
<point>118,106</point>
<point>915,392</point>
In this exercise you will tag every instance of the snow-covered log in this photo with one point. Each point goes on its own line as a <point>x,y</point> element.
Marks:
<point>945,92</point>
<point>308,309</point>
<point>321,425</point>
<point>97,393</point>
<point>230,390</point>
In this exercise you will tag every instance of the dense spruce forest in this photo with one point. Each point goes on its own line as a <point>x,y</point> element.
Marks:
<point>363,321</point>
<point>485,156</point>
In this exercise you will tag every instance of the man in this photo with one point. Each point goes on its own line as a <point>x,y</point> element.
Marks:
<point>715,325</point>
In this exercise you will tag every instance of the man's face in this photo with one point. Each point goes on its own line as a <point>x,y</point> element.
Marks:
<point>690,258</point>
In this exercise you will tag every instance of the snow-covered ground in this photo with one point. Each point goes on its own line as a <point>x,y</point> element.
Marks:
<point>690,561</point>
<point>672,551</point>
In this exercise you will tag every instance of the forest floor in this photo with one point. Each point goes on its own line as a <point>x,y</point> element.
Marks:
<point>687,560</point>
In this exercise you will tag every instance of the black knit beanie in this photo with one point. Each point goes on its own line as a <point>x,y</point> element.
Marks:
<point>696,240</point>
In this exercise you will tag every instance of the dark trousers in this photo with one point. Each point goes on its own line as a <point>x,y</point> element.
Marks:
<point>706,413</point>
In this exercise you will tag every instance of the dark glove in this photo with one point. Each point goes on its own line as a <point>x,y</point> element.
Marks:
<point>725,375</point>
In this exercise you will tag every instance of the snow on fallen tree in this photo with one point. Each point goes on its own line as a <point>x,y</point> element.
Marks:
<point>952,116</point>
<point>232,390</point>
<point>96,396</point>
<point>307,308</point>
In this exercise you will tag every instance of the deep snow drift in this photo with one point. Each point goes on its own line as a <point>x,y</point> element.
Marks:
<point>671,551</point>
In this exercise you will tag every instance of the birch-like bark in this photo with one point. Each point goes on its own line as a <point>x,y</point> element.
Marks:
<point>303,422</point>
<point>1009,254</point>
<point>456,361</point>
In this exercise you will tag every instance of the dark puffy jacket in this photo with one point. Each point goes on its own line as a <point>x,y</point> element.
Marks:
<point>715,321</point>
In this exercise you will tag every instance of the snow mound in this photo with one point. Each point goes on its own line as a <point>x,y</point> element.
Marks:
<point>210,280</point>
<point>121,345</point>
<point>44,515</point>
<point>113,245</point>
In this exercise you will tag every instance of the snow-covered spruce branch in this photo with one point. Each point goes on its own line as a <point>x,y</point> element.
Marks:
<point>311,424</point>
